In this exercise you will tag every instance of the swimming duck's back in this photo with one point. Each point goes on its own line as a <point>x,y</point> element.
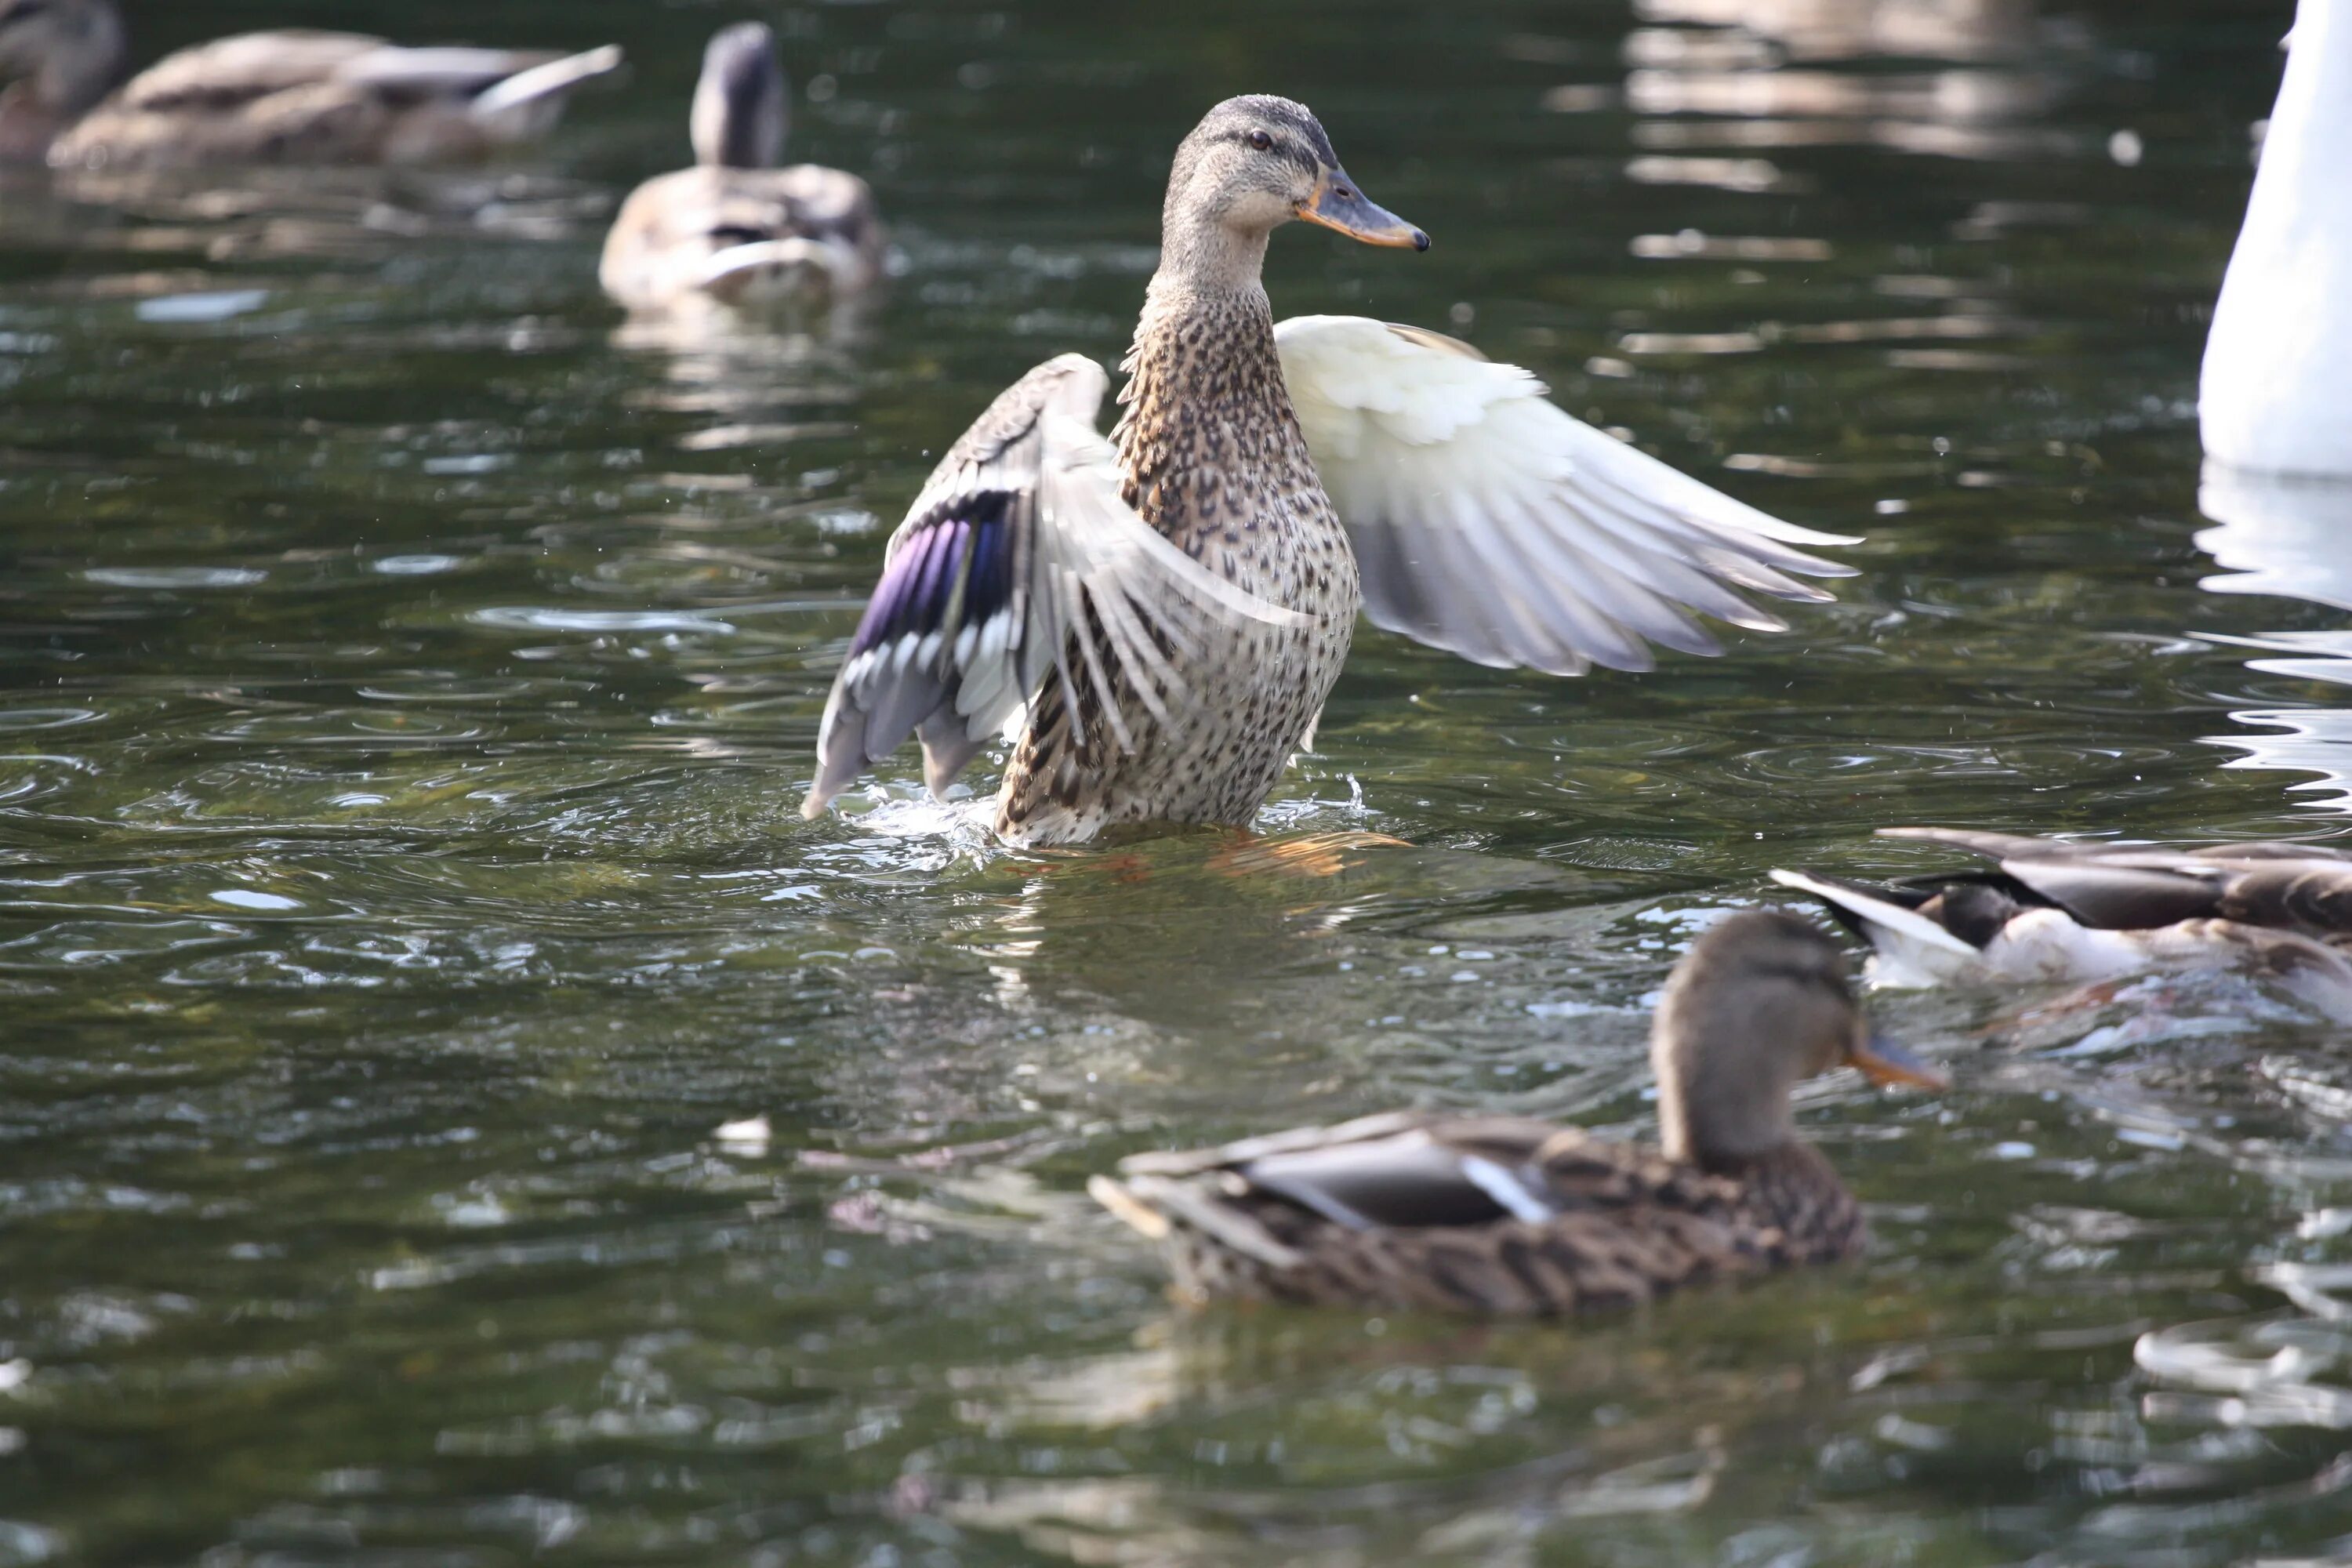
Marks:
<point>1491,1215</point>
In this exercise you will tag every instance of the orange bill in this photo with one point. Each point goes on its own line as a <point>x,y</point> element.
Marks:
<point>1882,1061</point>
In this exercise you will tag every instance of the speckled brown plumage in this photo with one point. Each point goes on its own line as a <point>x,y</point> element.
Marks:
<point>1212,457</point>
<point>1518,1219</point>
<point>1641,1225</point>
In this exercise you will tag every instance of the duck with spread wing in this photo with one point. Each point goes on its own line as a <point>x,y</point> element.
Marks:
<point>1156,617</point>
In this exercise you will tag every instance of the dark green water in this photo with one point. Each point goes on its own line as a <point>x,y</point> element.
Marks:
<point>408,678</point>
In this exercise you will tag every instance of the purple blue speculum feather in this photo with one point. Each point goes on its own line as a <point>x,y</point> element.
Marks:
<point>972,544</point>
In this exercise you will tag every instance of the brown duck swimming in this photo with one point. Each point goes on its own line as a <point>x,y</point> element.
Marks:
<point>1504,1216</point>
<point>2052,909</point>
<point>296,96</point>
<point>735,229</point>
<point>1157,618</point>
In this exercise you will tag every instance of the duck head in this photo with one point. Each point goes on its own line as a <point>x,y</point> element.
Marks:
<point>1253,164</point>
<point>1760,1003</point>
<point>71,51</point>
<point>740,108</point>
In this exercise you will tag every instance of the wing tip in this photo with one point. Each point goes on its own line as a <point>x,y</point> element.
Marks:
<point>1121,1201</point>
<point>1975,841</point>
<point>1858,904</point>
<point>1804,882</point>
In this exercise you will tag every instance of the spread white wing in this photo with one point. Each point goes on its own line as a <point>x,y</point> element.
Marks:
<point>1490,523</point>
<point>1019,564</point>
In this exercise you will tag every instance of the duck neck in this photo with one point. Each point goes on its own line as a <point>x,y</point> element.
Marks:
<point>1743,1118</point>
<point>75,77</point>
<point>1205,255</point>
<point>1208,419</point>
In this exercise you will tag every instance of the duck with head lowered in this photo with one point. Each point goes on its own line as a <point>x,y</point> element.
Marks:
<point>735,229</point>
<point>2081,911</point>
<point>1158,617</point>
<point>293,96</point>
<point>1516,1217</point>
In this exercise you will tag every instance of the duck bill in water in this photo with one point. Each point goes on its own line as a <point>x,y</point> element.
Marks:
<point>1884,1062</point>
<point>1337,204</point>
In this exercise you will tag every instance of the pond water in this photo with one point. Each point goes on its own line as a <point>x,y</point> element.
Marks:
<point>411,673</point>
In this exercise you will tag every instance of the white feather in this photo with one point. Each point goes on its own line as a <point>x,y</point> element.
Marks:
<point>1908,951</point>
<point>527,105</point>
<point>1505,1189</point>
<point>2051,944</point>
<point>1489,523</point>
<point>1877,912</point>
<point>759,270</point>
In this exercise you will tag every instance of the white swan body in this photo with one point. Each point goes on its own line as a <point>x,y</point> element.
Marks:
<point>2275,394</point>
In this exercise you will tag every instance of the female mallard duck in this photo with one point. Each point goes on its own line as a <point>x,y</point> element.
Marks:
<point>293,97</point>
<point>735,227</point>
<point>2054,910</point>
<point>1497,1215</point>
<point>1165,615</point>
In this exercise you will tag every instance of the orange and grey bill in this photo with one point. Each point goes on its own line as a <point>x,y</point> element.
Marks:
<point>1882,1061</point>
<point>1337,204</point>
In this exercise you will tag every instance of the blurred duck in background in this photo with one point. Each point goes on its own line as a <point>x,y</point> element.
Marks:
<point>735,229</point>
<point>2275,396</point>
<point>290,97</point>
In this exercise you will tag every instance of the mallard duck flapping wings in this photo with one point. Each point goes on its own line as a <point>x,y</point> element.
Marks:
<point>1324,466</point>
<point>2055,910</point>
<point>1512,1217</point>
<point>736,228</point>
<point>290,97</point>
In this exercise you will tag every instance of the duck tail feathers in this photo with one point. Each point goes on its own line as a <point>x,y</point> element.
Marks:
<point>1138,1215</point>
<point>1872,913</point>
<point>759,268</point>
<point>526,88</point>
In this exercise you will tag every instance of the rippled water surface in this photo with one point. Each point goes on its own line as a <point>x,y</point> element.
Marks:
<point>408,674</point>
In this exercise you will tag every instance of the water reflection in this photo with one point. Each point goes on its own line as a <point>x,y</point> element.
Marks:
<point>321,214</point>
<point>2290,537</point>
<point>1805,73</point>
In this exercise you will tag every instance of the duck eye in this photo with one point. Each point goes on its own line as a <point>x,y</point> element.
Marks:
<point>1260,140</point>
